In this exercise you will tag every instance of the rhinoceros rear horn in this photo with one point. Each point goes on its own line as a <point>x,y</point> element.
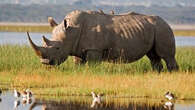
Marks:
<point>46,41</point>
<point>52,22</point>
<point>35,48</point>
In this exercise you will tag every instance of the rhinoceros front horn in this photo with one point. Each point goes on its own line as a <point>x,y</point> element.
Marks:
<point>35,48</point>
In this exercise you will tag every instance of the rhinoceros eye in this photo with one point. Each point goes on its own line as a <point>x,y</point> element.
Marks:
<point>57,48</point>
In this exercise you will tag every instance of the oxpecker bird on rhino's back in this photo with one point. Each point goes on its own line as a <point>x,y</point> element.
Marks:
<point>93,37</point>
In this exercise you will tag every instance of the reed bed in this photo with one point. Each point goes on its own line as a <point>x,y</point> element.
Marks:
<point>184,32</point>
<point>25,28</point>
<point>20,68</point>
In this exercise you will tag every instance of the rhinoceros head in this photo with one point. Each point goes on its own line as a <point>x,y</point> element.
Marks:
<point>56,50</point>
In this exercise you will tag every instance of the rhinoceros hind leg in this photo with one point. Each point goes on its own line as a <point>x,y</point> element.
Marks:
<point>155,61</point>
<point>171,64</point>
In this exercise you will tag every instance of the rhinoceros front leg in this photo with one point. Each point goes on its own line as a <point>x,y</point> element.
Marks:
<point>93,57</point>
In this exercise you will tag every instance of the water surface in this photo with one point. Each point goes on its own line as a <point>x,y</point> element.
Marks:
<point>21,38</point>
<point>8,102</point>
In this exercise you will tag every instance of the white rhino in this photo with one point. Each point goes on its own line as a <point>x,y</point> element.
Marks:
<point>94,36</point>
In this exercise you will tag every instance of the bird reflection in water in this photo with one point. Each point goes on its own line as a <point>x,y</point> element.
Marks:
<point>16,104</point>
<point>168,105</point>
<point>0,95</point>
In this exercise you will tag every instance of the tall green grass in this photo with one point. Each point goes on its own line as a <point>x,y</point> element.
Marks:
<point>21,68</point>
<point>16,58</point>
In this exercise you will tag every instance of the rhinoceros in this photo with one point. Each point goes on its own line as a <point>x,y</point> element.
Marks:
<point>94,36</point>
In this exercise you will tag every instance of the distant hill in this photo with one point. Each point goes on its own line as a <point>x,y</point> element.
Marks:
<point>169,3</point>
<point>39,12</point>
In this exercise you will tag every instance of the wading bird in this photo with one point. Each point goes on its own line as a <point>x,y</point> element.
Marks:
<point>26,94</point>
<point>169,96</point>
<point>96,99</point>
<point>16,93</point>
<point>29,93</point>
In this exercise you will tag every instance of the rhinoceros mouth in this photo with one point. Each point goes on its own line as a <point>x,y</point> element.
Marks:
<point>45,61</point>
<point>49,62</point>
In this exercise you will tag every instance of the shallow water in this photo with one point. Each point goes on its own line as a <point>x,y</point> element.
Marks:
<point>8,102</point>
<point>21,38</point>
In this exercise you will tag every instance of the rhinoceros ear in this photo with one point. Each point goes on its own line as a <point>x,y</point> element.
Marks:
<point>52,22</point>
<point>46,41</point>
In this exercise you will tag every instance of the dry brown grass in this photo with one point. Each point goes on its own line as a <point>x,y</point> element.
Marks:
<point>184,32</point>
<point>151,85</point>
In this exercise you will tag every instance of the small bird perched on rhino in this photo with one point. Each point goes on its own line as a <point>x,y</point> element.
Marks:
<point>112,12</point>
<point>94,37</point>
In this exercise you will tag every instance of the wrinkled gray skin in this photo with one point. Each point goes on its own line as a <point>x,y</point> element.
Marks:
<point>94,36</point>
